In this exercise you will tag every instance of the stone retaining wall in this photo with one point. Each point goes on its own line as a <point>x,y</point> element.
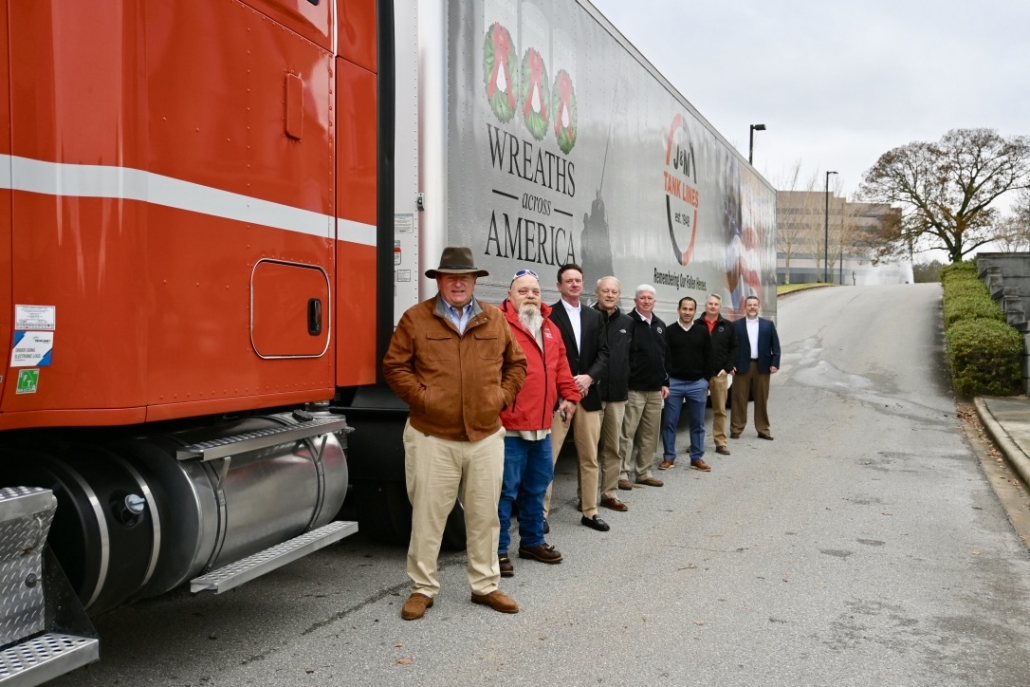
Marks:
<point>1007,276</point>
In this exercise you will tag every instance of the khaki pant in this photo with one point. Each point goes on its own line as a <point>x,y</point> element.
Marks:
<point>717,389</point>
<point>639,433</point>
<point>757,384</point>
<point>610,458</point>
<point>586,428</point>
<point>434,469</point>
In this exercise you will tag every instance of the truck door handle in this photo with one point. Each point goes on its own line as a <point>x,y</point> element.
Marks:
<point>314,316</point>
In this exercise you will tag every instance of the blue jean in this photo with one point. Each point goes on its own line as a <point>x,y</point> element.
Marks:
<point>694,395</point>
<point>528,471</point>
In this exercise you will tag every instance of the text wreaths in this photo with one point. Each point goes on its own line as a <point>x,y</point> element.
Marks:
<point>529,240</point>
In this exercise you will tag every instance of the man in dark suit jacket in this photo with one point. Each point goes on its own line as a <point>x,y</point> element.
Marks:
<point>586,346</point>
<point>758,358</point>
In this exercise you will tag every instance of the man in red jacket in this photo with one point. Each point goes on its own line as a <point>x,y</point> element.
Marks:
<point>528,469</point>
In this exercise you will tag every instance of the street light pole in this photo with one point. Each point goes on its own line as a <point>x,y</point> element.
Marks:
<point>751,145</point>
<point>843,235</point>
<point>826,234</point>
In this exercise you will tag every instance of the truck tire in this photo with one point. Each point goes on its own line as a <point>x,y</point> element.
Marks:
<point>384,512</point>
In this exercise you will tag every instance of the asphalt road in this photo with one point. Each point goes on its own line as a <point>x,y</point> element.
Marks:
<point>863,546</point>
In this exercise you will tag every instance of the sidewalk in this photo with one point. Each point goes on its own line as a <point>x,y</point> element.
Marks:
<point>1007,420</point>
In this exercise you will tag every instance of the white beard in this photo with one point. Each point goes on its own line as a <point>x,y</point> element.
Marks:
<point>531,318</point>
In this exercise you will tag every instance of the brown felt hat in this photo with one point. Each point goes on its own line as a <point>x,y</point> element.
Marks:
<point>456,260</point>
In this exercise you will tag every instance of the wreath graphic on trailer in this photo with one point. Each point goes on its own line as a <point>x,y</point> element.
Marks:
<point>535,96</point>
<point>500,80</point>
<point>564,103</point>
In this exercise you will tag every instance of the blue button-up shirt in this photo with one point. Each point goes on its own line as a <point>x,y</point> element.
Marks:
<point>460,319</point>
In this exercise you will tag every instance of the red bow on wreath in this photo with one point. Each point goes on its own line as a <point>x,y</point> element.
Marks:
<point>502,50</point>
<point>565,88</point>
<point>536,71</point>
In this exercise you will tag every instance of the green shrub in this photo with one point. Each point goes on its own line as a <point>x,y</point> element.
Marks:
<point>970,308</point>
<point>958,270</point>
<point>984,356</point>
<point>966,287</point>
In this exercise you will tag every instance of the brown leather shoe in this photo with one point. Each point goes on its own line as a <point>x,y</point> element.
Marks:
<point>497,601</point>
<point>545,553</point>
<point>765,435</point>
<point>614,504</point>
<point>734,435</point>
<point>507,569</point>
<point>666,464</point>
<point>700,465</point>
<point>415,607</point>
<point>722,450</point>
<point>651,482</point>
<point>625,485</point>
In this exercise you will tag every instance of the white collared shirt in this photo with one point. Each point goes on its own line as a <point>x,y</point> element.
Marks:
<point>752,336</point>
<point>574,318</point>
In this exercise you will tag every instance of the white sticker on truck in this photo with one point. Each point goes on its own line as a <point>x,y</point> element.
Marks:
<point>32,349</point>
<point>35,317</point>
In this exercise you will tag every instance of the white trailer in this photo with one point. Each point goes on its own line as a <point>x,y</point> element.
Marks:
<point>544,137</point>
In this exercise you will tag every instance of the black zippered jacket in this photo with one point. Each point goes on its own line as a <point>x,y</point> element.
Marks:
<point>647,354</point>
<point>618,328</point>
<point>724,344</point>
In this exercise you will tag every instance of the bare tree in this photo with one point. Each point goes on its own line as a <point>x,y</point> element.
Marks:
<point>1023,212</point>
<point>843,236</point>
<point>1012,235</point>
<point>790,232</point>
<point>812,209</point>
<point>827,209</point>
<point>946,190</point>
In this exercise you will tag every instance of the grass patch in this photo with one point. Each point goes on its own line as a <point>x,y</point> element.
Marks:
<point>791,288</point>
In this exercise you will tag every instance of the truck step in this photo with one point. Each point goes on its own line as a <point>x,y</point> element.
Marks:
<point>251,567</point>
<point>264,438</point>
<point>43,657</point>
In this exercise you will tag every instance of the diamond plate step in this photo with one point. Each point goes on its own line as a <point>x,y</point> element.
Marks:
<point>262,562</point>
<point>44,657</point>
<point>263,438</point>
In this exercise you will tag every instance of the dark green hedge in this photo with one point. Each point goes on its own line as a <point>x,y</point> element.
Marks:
<point>963,307</point>
<point>985,357</point>
<point>967,287</point>
<point>984,351</point>
<point>958,270</point>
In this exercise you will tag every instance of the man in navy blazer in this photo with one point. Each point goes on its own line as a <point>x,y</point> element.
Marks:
<point>758,358</point>
<point>586,345</point>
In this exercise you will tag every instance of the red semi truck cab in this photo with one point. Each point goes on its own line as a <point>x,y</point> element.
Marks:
<point>189,193</point>
<point>189,209</point>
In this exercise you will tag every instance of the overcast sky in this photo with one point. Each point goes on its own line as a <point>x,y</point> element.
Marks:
<point>838,83</point>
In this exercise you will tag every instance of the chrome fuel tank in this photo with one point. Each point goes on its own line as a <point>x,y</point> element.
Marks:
<point>218,511</point>
<point>140,516</point>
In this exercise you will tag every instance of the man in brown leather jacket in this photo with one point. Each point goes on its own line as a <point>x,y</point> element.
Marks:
<point>455,362</point>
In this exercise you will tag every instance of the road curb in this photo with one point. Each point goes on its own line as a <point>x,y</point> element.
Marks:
<point>1014,455</point>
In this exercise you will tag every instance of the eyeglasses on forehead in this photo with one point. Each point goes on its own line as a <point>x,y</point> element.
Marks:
<point>524,273</point>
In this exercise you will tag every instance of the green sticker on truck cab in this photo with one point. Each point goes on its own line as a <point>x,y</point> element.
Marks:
<point>28,381</point>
